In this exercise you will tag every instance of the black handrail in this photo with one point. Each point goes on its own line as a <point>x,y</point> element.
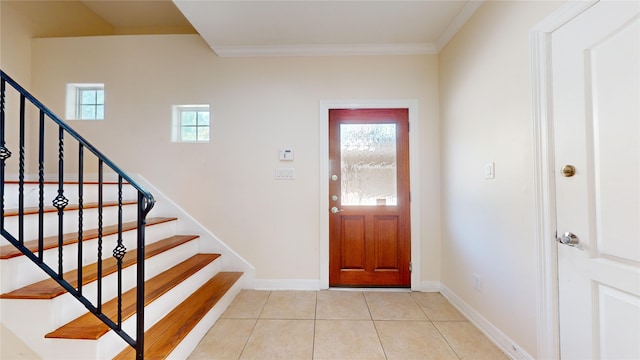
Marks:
<point>144,204</point>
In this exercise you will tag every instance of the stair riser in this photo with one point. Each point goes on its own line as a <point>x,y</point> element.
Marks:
<point>39,316</point>
<point>18,272</point>
<point>70,221</point>
<point>90,194</point>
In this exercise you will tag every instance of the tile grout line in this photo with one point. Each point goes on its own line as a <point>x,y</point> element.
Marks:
<point>438,330</point>
<point>384,352</point>
<point>315,323</point>
<point>244,347</point>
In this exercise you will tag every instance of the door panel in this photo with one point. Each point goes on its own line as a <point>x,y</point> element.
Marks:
<point>369,237</point>
<point>353,243</point>
<point>596,87</point>
<point>385,230</point>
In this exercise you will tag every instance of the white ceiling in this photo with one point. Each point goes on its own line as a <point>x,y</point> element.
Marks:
<point>338,27</point>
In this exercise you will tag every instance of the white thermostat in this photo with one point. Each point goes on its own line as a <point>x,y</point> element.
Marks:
<point>285,154</point>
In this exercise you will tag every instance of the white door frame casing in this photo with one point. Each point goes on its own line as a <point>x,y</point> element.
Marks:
<point>544,183</point>
<point>414,179</point>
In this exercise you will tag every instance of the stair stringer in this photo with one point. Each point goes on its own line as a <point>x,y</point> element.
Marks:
<point>209,243</point>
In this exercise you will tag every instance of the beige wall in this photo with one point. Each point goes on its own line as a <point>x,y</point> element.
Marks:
<point>15,44</point>
<point>485,108</point>
<point>15,60</point>
<point>258,105</point>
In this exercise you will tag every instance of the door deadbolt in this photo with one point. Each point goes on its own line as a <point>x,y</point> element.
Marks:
<point>568,170</point>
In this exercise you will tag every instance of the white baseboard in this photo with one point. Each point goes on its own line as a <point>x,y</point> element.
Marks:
<point>429,286</point>
<point>287,284</point>
<point>501,340</point>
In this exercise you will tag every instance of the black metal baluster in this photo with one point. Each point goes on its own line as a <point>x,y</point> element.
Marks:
<point>142,213</point>
<point>100,181</point>
<point>21,173</point>
<point>4,152</point>
<point>41,188</point>
<point>60,202</point>
<point>80,212</point>
<point>119,252</point>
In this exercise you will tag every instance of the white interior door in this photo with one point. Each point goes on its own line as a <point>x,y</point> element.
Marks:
<point>596,119</point>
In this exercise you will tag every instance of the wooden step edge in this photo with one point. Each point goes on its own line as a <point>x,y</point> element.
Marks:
<point>49,288</point>
<point>163,337</point>
<point>89,327</point>
<point>51,242</point>
<point>70,207</point>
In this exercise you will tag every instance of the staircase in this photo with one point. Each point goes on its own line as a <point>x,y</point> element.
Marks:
<point>84,305</point>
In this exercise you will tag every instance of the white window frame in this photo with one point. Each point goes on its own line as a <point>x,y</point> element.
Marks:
<point>74,101</point>
<point>176,128</point>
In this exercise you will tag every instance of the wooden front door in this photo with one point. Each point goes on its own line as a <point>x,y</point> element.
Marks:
<point>369,228</point>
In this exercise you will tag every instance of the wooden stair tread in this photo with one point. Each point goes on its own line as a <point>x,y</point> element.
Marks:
<point>166,334</point>
<point>49,288</point>
<point>10,251</point>
<point>89,327</point>
<point>50,209</point>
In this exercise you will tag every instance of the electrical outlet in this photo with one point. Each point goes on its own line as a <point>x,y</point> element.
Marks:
<point>477,282</point>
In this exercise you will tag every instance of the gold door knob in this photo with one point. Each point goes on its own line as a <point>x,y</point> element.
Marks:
<point>568,170</point>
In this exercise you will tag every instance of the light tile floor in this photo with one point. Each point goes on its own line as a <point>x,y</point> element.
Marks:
<point>343,325</point>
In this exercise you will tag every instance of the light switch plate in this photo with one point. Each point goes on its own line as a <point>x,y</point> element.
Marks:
<point>285,174</point>
<point>489,170</point>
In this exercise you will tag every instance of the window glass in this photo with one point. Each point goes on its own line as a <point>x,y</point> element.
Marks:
<point>368,164</point>
<point>91,104</point>
<point>191,123</point>
<point>85,102</point>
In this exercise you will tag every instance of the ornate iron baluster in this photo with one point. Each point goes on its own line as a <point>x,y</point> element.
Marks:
<point>21,174</point>
<point>41,188</point>
<point>60,202</point>
<point>4,152</point>
<point>100,180</point>
<point>80,212</point>
<point>119,252</point>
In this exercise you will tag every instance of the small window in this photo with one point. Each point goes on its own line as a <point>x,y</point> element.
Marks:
<point>191,123</point>
<point>85,101</point>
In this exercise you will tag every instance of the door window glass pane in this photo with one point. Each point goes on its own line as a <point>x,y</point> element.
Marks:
<point>368,164</point>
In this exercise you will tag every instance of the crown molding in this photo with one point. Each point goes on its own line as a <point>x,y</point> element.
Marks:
<point>465,14</point>
<point>326,50</point>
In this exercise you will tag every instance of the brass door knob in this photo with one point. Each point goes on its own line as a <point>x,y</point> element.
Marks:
<point>568,170</point>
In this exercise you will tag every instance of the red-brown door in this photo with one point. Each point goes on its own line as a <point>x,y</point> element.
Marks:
<point>369,229</point>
